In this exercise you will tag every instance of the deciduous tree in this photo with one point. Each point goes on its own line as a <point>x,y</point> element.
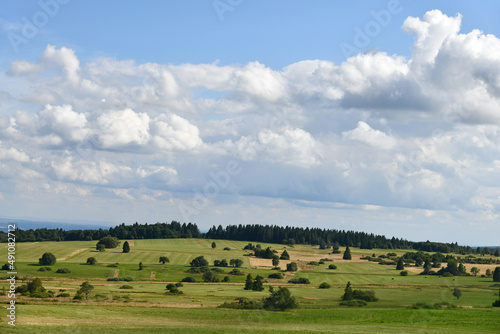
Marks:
<point>47,259</point>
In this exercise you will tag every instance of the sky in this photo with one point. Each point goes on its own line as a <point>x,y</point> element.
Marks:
<point>379,116</point>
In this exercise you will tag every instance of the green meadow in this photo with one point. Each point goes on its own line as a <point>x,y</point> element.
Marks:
<point>150,308</point>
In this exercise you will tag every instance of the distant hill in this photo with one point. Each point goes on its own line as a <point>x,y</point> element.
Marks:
<point>67,225</point>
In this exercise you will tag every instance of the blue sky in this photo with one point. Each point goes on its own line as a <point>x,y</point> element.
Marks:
<point>379,116</point>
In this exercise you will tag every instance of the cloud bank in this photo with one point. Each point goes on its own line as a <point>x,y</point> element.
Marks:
<point>377,130</point>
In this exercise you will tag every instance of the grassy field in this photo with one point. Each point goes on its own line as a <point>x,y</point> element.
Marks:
<point>148,307</point>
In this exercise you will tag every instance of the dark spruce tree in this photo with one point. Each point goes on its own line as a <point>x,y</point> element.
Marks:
<point>257,283</point>
<point>126,247</point>
<point>284,255</point>
<point>348,294</point>
<point>400,265</point>
<point>496,275</point>
<point>347,254</point>
<point>249,282</point>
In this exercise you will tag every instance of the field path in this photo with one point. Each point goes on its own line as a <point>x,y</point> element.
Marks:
<point>72,254</point>
<point>116,273</point>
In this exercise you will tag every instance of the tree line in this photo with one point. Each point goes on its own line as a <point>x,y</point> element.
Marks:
<point>325,238</point>
<point>134,231</point>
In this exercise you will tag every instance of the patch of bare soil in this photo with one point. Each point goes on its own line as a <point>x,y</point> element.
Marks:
<point>131,243</point>
<point>116,272</point>
<point>153,275</point>
<point>72,254</point>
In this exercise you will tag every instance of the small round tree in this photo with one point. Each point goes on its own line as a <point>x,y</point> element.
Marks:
<point>276,260</point>
<point>100,247</point>
<point>109,241</point>
<point>457,293</point>
<point>47,259</point>
<point>92,261</point>
<point>214,245</point>
<point>126,247</point>
<point>164,259</point>
<point>292,266</point>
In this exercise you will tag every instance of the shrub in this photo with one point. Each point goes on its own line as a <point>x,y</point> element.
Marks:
<point>63,271</point>
<point>221,263</point>
<point>403,273</point>
<point>126,287</point>
<point>120,279</point>
<point>243,304</point>
<point>197,270</point>
<point>218,270</point>
<point>227,248</point>
<point>210,276</point>
<point>188,279</point>
<point>78,296</point>
<point>92,261</point>
<point>447,274</point>
<point>6,267</point>
<point>275,275</point>
<point>200,261</point>
<point>226,279</point>
<point>113,265</point>
<point>313,263</point>
<point>100,247</point>
<point>325,285</point>
<point>179,284</point>
<point>301,280</point>
<point>443,305</point>
<point>354,303</point>
<point>367,295</point>
<point>64,294</point>
<point>236,262</point>
<point>326,259</point>
<point>47,259</point>
<point>45,269</point>
<point>332,266</point>
<point>236,272</point>
<point>292,266</point>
